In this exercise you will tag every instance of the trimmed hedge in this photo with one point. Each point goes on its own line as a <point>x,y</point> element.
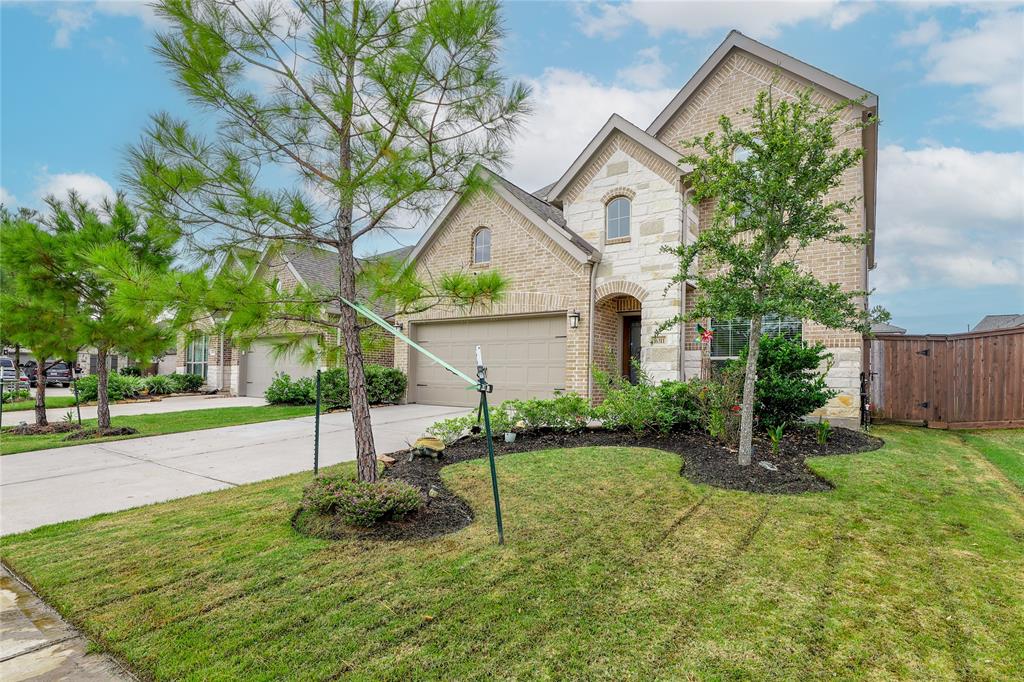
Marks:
<point>384,385</point>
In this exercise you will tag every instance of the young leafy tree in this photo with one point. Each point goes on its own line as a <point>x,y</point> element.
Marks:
<point>770,207</point>
<point>368,112</point>
<point>99,252</point>
<point>40,311</point>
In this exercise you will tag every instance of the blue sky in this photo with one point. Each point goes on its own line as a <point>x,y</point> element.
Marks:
<point>79,82</point>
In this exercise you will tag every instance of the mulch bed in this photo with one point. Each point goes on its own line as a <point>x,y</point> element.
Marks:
<point>85,434</point>
<point>40,430</point>
<point>704,460</point>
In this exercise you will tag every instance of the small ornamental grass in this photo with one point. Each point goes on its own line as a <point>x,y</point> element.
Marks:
<point>360,504</point>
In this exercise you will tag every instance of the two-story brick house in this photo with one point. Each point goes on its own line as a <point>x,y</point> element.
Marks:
<point>589,281</point>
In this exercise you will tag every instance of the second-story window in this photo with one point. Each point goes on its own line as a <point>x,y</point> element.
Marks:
<point>482,245</point>
<point>617,213</point>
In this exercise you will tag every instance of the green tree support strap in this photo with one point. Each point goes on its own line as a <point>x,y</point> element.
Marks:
<point>381,322</point>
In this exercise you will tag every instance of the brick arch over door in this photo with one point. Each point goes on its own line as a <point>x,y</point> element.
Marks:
<point>620,288</point>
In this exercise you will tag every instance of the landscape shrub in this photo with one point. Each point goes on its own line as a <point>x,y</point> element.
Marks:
<point>718,404</point>
<point>384,385</point>
<point>283,391</point>
<point>678,404</point>
<point>790,380</point>
<point>119,387</point>
<point>566,412</point>
<point>185,383</point>
<point>631,407</point>
<point>358,503</point>
<point>13,395</point>
<point>159,384</point>
<point>451,429</point>
<point>130,371</point>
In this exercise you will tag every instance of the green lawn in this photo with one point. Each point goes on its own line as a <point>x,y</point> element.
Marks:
<point>1004,448</point>
<point>158,424</point>
<point>615,568</point>
<point>52,401</point>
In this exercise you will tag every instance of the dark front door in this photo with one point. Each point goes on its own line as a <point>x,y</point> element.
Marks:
<point>630,347</point>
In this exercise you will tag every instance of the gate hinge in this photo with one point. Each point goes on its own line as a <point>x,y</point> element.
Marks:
<point>926,352</point>
<point>924,404</point>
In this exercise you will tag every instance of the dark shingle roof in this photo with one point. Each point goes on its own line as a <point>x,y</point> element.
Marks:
<point>886,328</point>
<point>546,211</point>
<point>993,322</point>
<point>318,267</point>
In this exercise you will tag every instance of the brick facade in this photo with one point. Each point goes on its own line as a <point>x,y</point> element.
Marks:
<point>732,86</point>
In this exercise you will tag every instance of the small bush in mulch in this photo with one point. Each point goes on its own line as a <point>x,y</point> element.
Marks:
<point>85,434</point>
<point>704,460</point>
<point>40,429</point>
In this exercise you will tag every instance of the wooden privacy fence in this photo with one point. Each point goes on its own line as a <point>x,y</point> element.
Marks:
<point>956,381</point>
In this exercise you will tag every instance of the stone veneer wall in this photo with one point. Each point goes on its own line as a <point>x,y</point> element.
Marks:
<point>544,277</point>
<point>624,168</point>
<point>733,86</point>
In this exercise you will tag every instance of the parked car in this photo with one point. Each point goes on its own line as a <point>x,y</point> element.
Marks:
<point>58,373</point>
<point>11,376</point>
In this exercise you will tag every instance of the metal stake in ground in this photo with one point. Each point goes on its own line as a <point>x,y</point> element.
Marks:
<point>484,388</point>
<point>78,403</point>
<point>316,429</point>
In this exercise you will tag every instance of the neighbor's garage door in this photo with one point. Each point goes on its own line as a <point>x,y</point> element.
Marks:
<point>525,358</point>
<point>261,366</point>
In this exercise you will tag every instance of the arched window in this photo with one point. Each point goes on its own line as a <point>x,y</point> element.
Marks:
<point>617,218</point>
<point>482,245</point>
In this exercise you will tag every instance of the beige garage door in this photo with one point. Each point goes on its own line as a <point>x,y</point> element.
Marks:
<point>260,366</point>
<point>525,358</point>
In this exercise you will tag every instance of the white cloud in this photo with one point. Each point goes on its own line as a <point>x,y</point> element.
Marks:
<point>68,19</point>
<point>569,109</point>
<point>698,18</point>
<point>949,217</point>
<point>647,71</point>
<point>71,18</point>
<point>924,33</point>
<point>989,58</point>
<point>7,199</point>
<point>91,188</point>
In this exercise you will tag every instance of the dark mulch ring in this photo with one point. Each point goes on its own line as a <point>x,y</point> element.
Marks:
<point>41,430</point>
<point>705,461</point>
<point>85,434</point>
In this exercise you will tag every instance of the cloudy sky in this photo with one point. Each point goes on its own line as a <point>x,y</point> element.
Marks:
<point>79,81</point>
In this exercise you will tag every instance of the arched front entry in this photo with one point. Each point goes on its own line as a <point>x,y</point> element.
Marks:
<point>618,336</point>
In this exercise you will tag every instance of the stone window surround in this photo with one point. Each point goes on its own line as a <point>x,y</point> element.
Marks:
<point>618,193</point>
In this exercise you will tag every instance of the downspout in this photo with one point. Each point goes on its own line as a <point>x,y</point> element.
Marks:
<point>221,358</point>
<point>687,191</point>
<point>590,332</point>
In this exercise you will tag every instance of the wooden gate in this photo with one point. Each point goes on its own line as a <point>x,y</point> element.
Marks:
<point>958,381</point>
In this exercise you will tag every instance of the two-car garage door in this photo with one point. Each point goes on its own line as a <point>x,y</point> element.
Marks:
<point>525,358</point>
<point>259,366</point>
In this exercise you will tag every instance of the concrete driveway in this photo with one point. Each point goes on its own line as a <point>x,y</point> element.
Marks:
<point>47,486</point>
<point>175,404</point>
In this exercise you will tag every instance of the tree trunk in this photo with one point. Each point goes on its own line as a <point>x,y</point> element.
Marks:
<point>749,390</point>
<point>40,394</point>
<point>102,399</point>
<point>366,456</point>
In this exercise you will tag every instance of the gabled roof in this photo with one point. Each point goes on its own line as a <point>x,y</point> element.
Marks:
<point>886,328</point>
<point>993,322</point>
<point>615,124</point>
<point>737,41</point>
<point>547,218</point>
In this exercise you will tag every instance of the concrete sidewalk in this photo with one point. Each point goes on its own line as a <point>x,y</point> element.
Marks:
<point>37,644</point>
<point>175,404</point>
<point>47,486</point>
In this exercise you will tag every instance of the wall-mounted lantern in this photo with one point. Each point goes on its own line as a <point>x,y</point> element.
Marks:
<point>574,319</point>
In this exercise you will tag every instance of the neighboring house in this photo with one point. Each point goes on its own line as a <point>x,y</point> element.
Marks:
<point>886,329</point>
<point>249,372</point>
<point>589,281</point>
<point>992,322</point>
